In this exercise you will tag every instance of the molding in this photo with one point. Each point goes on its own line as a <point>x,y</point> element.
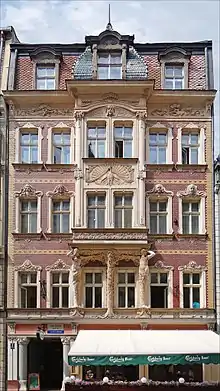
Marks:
<point>60,191</point>
<point>110,174</point>
<point>159,190</point>
<point>192,266</point>
<point>28,266</point>
<point>161,265</point>
<point>58,265</point>
<point>27,191</point>
<point>191,191</point>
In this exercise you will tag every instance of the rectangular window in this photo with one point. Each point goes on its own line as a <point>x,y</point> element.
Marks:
<point>190,148</point>
<point>45,77</point>
<point>159,290</point>
<point>174,77</point>
<point>109,66</point>
<point>191,290</point>
<point>126,289</point>
<point>96,211</point>
<point>191,215</point>
<point>158,217</point>
<point>28,290</point>
<point>60,289</point>
<point>28,215</point>
<point>123,211</point>
<point>93,290</point>
<point>96,138</point>
<point>29,147</point>
<point>61,148</point>
<point>123,137</point>
<point>158,147</point>
<point>61,216</point>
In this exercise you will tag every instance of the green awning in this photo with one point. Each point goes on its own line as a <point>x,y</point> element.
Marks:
<point>141,347</point>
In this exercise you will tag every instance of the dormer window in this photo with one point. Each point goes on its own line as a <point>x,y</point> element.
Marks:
<point>45,77</point>
<point>109,66</point>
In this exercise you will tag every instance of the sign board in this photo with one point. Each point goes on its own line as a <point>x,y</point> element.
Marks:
<point>55,329</point>
<point>34,381</point>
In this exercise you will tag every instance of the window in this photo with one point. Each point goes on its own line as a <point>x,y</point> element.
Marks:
<point>93,290</point>
<point>123,141</point>
<point>61,216</point>
<point>159,290</point>
<point>29,147</point>
<point>60,289</point>
<point>158,217</point>
<point>109,66</point>
<point>45,77</point>
<point>158,147</point>
<point>123,211</point>
<point>96,136</point>
<point>61,148</point>
<point>28,214</point>
<point>174,77</point>
<point>28,290</point>
<point>96,211</point>
<point>126,289</point>
<point>191,290</point>
<point>190,148</point>
<point>191,215</point>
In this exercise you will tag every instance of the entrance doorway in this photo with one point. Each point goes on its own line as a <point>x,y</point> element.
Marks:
<point>46,358</point>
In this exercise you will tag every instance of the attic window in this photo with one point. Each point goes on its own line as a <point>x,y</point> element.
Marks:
<point>109,66</point>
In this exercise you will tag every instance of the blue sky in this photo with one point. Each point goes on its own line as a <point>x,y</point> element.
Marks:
<point>68,21</point>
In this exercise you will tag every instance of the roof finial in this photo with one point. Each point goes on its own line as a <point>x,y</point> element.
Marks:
<point>109,25</point>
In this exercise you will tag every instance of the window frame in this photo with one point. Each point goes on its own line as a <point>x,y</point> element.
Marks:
<point>173,78</point>
<point>29,214</point>
<point>158,213</point>
<point>27,266</point>
<point>190,214</point>
<point>58,266</point>
<point>61,212</point>
<point>28,128</point>
<point>123,208</point>
<point>97,125</point>
<point>175,57</point>
<point>159,128</point>
<point>190,268</point>
<point>159,193</point>
<point>123,125</point>
<point>159,267</point>
<point>46,78</point>
<point>60,285</point>
<point>60,193</point>
<point>192,128</point>
<point>28,193</point>
<point>103,271</point>
<point>25,286</point>
<point>128,270</point>
<point>109,65</point>
<point>59,128</point>
<point>104,206</point>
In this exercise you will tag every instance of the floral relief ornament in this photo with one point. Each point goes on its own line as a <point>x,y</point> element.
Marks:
<point>159,189</point>
<point>28,266</point>
<point>28,192</point>
<point>60,191</point>
<point>110,175</point>
<point>42,110</point>
<point>191,191</point>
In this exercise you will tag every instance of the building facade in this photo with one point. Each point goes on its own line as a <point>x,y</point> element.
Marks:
<point>217,238</point>
<point>110,198</point>
<point>7,36</point>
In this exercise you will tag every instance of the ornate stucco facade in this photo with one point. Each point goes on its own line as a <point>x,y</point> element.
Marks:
<point>217,238</point>
<point>114,159</point>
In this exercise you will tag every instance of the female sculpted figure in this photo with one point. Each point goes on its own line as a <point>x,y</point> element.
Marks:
<point>143,275</point>
<point>74,277</point>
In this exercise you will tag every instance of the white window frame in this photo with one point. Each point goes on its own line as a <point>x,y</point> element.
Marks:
<point>60,285</point>
<point>123,207</point>
<point>27,193</point>
<point>26,285</point>
<point>193,267</point>
<point>26,267</point>
<point>174,78</point>
<point>192,128</point>
<point>125,124</point>
<point>191,213</point>
<point>46,78</point>
<point>29,213</point>
<point>59,128</point>
<point>155,195</point>
<point>109,65</point>
<point>27,128</point>
<point>175,57</point>
<point>96,125</point>
<point>158,213</point>
<point>161,268</point>
<point>60,193</point>
<point>61,212</point>
<point>58,266</point>
<point>95,194</point>
<point>128,270</point>
<point>101,270</point>
<point>157,128</point>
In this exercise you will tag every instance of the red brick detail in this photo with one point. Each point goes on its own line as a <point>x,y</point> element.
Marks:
<point>66,67</point>
<point>154,71</point>
<point>197,72</point>
<point>109,327</point>
<point>24,74</point>
<point>177,327</point>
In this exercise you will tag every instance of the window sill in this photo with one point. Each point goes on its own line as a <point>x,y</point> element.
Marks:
<point>191,167</point>
<point>111,160</point>
<point>29,167</point>
<point>42,235</point>
<point>161,167</point>
<point>60,167</point>
<point>27,236</point>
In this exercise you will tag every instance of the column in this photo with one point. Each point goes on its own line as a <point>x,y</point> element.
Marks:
<point>78,172</point>
<point>66,347</point>
<point>12,358</point>
<point>23,343</point>
<point>110,286</point>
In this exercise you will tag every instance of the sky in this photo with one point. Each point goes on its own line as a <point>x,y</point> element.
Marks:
<point>68,21</point>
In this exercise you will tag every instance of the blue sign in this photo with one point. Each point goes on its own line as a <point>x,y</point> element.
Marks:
<point>55,331</point>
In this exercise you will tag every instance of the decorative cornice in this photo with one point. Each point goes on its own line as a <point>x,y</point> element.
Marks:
<point>28,266</point>
<point>58,265</point>
<point>191,191</point>
<point>42,110</point>
<point>60,191</point>
<point>28,192</point>
<point>176,110</point>
<point>191,266</point>
<point>159,190</point>
<point>162,265</point>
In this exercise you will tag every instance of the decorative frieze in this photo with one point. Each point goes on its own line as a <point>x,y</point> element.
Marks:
<point>177,110</point>
<point>58,265</point>
<point>110,175</point>
<point>192,266</point>
<point>28,266</point>
<point>159,189</point>
<point>27,191</point>
<point>102,235</point>
<point>60,191</point>
<point>41,111</point>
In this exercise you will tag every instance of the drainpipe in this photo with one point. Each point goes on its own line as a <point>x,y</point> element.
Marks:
<point>1,49</point>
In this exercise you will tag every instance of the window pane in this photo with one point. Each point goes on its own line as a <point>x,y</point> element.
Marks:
<point>56,205</point>
<point>154,278</point>
<point>162,206</point>
<point>92,149</point>
<point>41,71</point>
<point>153,206</point>
<point>57,155</point>
<point>128,200</point>
<point>56,223</point>
<point>98,278</point>
<point>121,278</point>
<point>65,296</point>
<point>66,205</point>
<point>178,84</point>
<point>186,224</point>
<point>196,278</point>
<point>33,222</point>
<point>33,278</point>
<point>101,200</point>
<point>118,218</point>
<point>153,138</point>
<point>169,70</point>
<point>178,71</point>
<point>128,132</point>
<point>185,206</point>
<point>89,278</point>
<point>153,155</point>
<point>66,138</point>
<point>196,297</point>
<point>102,72</point>
<point>162,224</point>
<point>194,139</point>
<point>31,297</point>
<point>162,155</point>
<point>186,297</point>
<point>55,297</point>
<point>65,278</point>
<point>162,138</point>
<point>103,58</point>
<point>34,138</point>
<point>121,296</point>
<point>23,278</point>
<point>127,149</point>
<point>91,132</point>
<point>186,278</point>
<point>66,155</point>
<point>163,278</point>
<point>65,225</point>
<point>195,224</point>
<point>115,59</point>
<point>131,296</point>
<point>98,297</point>
<point>118,200</point>
<point>195,207</point>
<point>50,84</point>
<point>100,218</point>
<point>115,72</point>
<point>101,149</point>
<point>169,84</point>
<point>91,218</point>
<point>185,139</point>
<point>101,132</point>
<point>55,278</point>
<point>23,298</point>
<point>91,200</point>
<point>194,156</point>
<point>24,223</point>
<point>25,158</point>
<point>34,155</point>
<point>41,84</point>
<point>127,218</point>
<point>131,278</point>
<point>88,301</point>
<point>118,132</point>
<point>153,224</point>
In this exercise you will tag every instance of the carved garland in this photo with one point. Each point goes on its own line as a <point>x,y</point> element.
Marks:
<point>28,266</point>
<point>162,265</point>
<point>28,192</point>
<point>159,190</point>
<point>191,191</point>
<point>60,191</point>
<point>192,266</point>
<point>58,265</point>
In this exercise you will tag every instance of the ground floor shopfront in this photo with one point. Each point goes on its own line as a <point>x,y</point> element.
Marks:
<point>28,354</point>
